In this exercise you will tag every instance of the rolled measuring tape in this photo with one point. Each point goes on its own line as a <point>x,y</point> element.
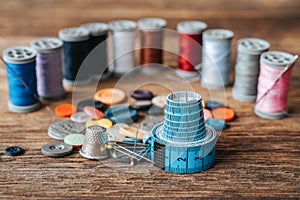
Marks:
<point>21,76</point>
<point>183,143</point>
<point>183,157</point>
<point>75,48</point>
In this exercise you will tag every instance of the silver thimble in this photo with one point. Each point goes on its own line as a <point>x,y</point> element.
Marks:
<point>94,143</point>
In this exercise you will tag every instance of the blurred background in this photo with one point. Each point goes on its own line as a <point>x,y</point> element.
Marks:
<point>46,17</point>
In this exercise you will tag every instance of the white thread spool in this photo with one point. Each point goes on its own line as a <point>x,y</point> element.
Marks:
<point>123,40</point>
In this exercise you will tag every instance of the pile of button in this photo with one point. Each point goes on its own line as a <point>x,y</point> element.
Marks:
<point>104,111</point>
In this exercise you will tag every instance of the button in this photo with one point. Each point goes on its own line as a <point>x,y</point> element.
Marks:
<point>113,134</point>
<point>159,101</point>
<point>217,124</point>
<point>93,112</point>
<point>121,114</point>
<point>213,104</point>
<point>75,140</point>
<point>226,114</point>
<point>132,132</point>
<point>59,130</point>
<point>141,94</point>
<point>56,149</point>
<point>207,114</point>
<point>110,96</point>
<point>155,110</point>
<point>65,110</point>
<point>90,102</point>
<point>80,117</point>
<point>141,105</point>
<point>106,123</point>
<point>14,151</point>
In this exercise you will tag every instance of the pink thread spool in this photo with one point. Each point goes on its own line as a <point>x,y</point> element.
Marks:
<point>273,84</point>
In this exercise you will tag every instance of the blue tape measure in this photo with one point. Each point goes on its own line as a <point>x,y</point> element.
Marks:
<point>183,157</point>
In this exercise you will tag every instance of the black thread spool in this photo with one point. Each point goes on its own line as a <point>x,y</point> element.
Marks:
<point>75,48</point>
<point>98,48</point>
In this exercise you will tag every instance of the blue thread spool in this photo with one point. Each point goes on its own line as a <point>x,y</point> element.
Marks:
<point>20,68</point>
<point>182,143</point>
<point>49,68</point>
<point>76,48</point>
<point>97,46</point>
<point>216,58</point>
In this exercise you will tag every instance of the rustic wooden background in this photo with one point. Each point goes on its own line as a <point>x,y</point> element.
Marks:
<point>256,158</point>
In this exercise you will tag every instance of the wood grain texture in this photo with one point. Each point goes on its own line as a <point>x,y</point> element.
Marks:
<point>256,158</point>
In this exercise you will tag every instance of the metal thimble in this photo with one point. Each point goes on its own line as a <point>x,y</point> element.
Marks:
<point>94,143</point>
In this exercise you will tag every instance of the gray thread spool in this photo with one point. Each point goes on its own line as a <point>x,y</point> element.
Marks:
<point>247,68</point>
<point>216,58</point>
<point>94,143</point>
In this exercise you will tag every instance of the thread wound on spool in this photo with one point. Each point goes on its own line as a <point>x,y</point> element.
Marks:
<point>216,58</point>
<point>75,48</point>
<point>123,41</point>
<point>182,143</point>
<point>273,84</point>
<point>97,42</point>
<point>190,46</point>
<point>49,68</point>
<point>151,30</point>
<point>21,77</point>
<point>247,68</point>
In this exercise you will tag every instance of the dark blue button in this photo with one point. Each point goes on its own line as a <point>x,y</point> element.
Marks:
<point>90,102</point>
<point>141,94</point>
<point>121,114</point>
<point>213,104</point>
<point>14,151</point>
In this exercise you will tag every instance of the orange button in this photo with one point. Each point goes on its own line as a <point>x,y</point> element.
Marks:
<point>226,114</point>
<point>65,110</point>
<point>93,112</point>
<point>110,96</point>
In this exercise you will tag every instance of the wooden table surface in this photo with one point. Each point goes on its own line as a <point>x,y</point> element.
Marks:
<point>256,158</point>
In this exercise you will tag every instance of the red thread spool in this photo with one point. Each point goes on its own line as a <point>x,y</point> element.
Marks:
<point>151,30</point>
<point>190,47</point>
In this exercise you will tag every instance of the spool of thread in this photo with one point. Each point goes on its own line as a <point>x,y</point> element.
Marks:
<point>21,77</point>
<point>151,30</point>
<point>247,68</point>
<point>182,143</point>
<point>75,48</point>
<point>190,47</point>
<point>49,68</point>
<point>216,58</point>
<point>273,84</point>
<point>98,35</point>
<point>123,41</point>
